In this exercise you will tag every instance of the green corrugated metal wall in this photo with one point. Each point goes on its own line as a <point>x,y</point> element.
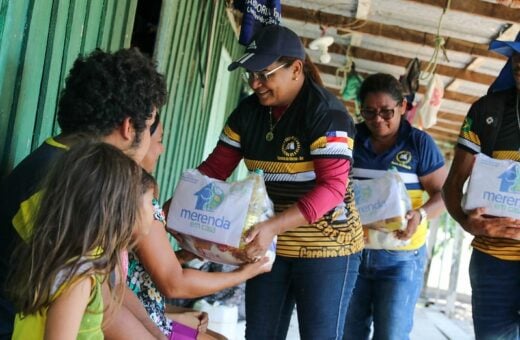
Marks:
<point>41,39</point>
<point>191,34</point>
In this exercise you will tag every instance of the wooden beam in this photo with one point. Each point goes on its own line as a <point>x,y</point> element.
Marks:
<point>392,59</point>
<point>455,128</point>
<point>442,137</point>
<point>386,31</point>
<point>454,125</point>
<point>448,135</point>
<point>481,8</point>
<point>450,116</point>
<point>508,34</point>
<point>451,95</point>
<point>448,71</point>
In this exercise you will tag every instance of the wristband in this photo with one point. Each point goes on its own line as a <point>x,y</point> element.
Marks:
<point>424,215</point>
<point>182,332</point>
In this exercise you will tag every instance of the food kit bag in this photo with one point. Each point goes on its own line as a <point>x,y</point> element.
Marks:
<point>495,185</point>
<point>382,204</point>
<point>211,217</point>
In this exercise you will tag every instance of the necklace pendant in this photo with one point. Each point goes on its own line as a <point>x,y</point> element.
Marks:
<point>269,136</point>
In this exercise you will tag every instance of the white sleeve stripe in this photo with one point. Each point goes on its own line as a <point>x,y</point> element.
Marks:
<point>229,141</point>
<point>468,144</point>
<point>300,177</point>
<point>338,134</point>
<point>330,149</point>
<point>407,178</point>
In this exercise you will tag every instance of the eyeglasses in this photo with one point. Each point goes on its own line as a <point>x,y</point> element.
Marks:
<point>370,114</point>
<point>262,76</point>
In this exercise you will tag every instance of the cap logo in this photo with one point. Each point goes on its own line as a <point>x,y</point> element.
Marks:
<point>252,45</point>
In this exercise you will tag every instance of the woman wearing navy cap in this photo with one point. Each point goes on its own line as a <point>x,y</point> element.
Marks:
<point>301,136</point>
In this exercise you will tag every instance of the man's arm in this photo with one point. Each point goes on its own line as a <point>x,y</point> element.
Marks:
<point>475,222</point>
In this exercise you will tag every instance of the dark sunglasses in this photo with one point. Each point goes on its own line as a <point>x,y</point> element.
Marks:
<point>386,114</point>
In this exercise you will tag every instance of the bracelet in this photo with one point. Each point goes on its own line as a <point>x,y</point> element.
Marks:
<point>424,215</point>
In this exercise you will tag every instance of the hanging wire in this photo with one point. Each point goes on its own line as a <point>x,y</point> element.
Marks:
<point>343,71</point>
<point>429,71</point>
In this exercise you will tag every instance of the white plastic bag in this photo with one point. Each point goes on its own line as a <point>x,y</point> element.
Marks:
<point>222,319</point>
<point>382,204</point>
<point>212,216</point>
<point>495,185</point>
<point>431,103</point>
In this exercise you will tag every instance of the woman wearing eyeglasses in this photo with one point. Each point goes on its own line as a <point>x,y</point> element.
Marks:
<point>300,135</point>
<point>390,280</point>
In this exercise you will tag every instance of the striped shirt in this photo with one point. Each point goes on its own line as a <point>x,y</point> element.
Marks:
<point>315,126</point>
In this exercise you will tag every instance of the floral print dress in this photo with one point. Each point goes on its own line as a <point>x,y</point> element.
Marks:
<point>140,282</point>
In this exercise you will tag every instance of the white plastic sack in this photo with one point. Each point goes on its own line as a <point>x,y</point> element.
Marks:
<point>431,103</point>
<point>382,204</point>
<point>212,216</point>
<point>221,318</point>
<point>375,239</point>
<point>495,185</point>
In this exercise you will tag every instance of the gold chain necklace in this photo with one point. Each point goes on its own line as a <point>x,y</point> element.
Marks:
<point>270,134</point>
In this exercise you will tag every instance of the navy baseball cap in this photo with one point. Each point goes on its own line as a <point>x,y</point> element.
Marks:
<point>267,46</point>
<point>506,47</point>
<point>505,79</point>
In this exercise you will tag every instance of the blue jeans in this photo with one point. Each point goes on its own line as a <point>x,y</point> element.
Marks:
<point>321,289</point>
<point>495,297</point>
<point>386,292</point>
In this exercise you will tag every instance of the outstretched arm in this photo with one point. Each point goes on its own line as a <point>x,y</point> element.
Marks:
<point>158,258</point>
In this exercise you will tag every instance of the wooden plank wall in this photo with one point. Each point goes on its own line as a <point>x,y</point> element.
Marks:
<point>40,41</point>
<point>190,39</point>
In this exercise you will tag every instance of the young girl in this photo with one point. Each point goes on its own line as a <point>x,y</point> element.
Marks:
<point>91,203</point>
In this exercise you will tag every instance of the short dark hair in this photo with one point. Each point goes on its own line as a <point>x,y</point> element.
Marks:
<point>381,82</point>
<point>104,88</point>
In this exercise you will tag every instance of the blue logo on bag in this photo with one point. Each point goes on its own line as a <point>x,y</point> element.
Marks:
<point>209,197</point>
<point>362,193</point>
<point>510,180</point>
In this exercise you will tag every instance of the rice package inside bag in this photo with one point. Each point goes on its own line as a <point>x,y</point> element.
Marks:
<point>495,185</point>
<point>211,216</point>
<point>375,239</point>
<point>382,204</point>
